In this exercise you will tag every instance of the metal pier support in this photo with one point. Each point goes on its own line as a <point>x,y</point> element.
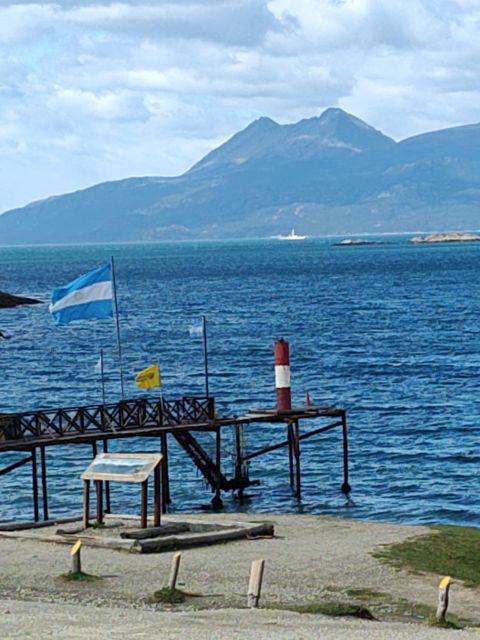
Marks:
<point>108,507</point>
<point>238,457</point>
<point>157,498</point>
<point>290,455</point>
<point>166,499</point>
<point>36,513</point>
<point>43,463</point>
<point>296,451</point>
<point>217,502</point>
<point>346,488</point>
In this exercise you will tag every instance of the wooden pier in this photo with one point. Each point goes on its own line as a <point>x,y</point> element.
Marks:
<point>96,425</point>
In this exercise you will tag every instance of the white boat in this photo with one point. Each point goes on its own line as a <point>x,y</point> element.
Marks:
<point>292,236</point>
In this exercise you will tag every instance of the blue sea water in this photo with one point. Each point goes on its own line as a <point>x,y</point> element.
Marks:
<point>389,332</point>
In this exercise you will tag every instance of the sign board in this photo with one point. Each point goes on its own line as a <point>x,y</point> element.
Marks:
<point>123,467</point>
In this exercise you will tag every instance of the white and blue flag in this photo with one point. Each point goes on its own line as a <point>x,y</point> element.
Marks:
<point>89,296</point>
<point>196,329</point>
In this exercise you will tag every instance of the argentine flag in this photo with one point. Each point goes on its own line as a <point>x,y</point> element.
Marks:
<point>89,296</point>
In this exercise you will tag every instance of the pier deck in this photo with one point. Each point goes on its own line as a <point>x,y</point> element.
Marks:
<point>35,431</point>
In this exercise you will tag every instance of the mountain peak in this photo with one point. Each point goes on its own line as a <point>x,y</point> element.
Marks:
<point>334,130</point>
<point>335,115</point>
<point>263,123</point>
<point>242,146</point>
<point>334,112</point>
<point>347,128</point>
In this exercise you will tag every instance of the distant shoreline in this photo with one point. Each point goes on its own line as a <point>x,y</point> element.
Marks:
<point>373,234</point>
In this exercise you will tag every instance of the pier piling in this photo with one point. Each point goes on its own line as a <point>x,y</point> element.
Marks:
<point>298,478</point>
<point>108,506</point>
<point>43,467</point>
<point>99,491</point>
<point>166,499</point>
<point>86,503</point>
<point>345,488</point>
<point>36,514</point>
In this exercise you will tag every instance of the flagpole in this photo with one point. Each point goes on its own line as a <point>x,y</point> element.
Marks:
<point>117,323</point>
<point>102,374</point>
<point>161,394</point>
<point>205,352</point>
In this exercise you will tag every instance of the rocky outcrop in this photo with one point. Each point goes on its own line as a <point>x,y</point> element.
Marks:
<point>353,242</point>
<point>7,300</point>
<point>445,237</point>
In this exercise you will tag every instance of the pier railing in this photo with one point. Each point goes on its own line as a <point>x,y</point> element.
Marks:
<point>108,418</point>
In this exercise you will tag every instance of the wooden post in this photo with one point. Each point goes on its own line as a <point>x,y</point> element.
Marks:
<point>172,581</point>
<point>290,454</point>
<point>99,489</point>
<point>298,479</point>
<point>36,515</point>
<point>144,512</point>
<point>166,500</point>
<point>239,467</point>
<point>443,591</point>
<point>157,498</point>
<point>255,583</point>
<point>108,507</point>
<point>238,452</point>
<point>76,559</point>
<point>86,503</point>
<point>44,482</point>
<point>345,488</point>
<point>217,502</point>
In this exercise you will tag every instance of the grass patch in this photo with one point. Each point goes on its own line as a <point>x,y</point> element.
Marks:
<point>79,576</point>
<point>376,605</point>
<point>445,624</point>
<point>385,606</point>
<point>335,609</point>
<point>447,550</point>
<point>167,596</point>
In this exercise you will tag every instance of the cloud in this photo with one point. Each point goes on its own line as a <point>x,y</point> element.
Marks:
<point>231,22</point>
<point>93,90</point>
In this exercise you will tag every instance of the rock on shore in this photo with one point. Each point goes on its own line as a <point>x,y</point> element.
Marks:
<point>7,300</point>
<point>446,237</point>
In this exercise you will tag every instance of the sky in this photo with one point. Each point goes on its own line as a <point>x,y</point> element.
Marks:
<point>96,90</point>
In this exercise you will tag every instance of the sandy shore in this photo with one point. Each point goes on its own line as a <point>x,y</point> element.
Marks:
<point>77,622</point>
<point>311,559</point>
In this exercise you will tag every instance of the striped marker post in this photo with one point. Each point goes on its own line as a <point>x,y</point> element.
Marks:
<point>282,376</point>
<point>76,560</point>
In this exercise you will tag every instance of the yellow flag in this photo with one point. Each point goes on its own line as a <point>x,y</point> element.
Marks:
<point>149,377</point>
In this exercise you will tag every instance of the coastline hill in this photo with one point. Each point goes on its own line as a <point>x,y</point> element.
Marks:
<point>331,174</point>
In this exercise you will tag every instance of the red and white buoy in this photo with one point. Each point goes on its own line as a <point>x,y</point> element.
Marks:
<point>282,375</point>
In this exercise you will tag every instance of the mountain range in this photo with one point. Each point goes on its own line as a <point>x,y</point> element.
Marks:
<point>331,174</point>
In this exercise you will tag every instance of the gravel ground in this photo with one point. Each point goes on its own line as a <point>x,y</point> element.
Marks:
<point>39,622</point>
<point>312,558</point>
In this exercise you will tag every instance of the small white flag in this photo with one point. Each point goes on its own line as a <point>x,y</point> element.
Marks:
<point>98,366</point>
<point>196,329</point>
